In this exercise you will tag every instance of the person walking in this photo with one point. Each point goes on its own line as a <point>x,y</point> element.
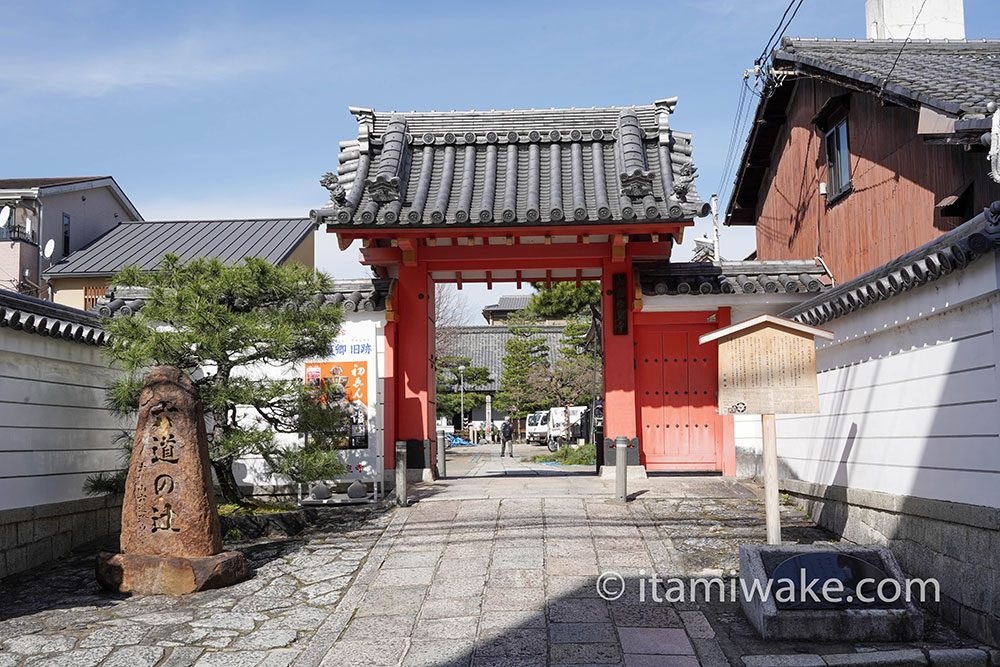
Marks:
<point>507,437</point>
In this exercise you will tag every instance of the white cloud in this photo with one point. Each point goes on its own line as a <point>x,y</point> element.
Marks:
<point>186,60</point>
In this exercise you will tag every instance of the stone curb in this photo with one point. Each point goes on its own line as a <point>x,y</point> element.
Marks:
<point>327,634</point>
<point>956,657</point>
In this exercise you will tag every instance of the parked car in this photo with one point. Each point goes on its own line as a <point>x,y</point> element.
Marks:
<point>559,434</point>
<point>537,429</point>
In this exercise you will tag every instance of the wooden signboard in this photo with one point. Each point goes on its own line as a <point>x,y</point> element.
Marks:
<point>767,370</point>
<point>767,366</point>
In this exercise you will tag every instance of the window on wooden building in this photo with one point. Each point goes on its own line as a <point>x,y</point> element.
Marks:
<point>838,169</point>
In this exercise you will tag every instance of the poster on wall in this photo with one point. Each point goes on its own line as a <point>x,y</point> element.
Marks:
<point>352,365</point>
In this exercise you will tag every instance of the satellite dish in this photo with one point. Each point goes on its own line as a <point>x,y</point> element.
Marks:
<point>50,246</point>
<point>4,214</point>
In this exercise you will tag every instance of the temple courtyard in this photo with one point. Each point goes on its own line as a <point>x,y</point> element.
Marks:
<point>497,565</point>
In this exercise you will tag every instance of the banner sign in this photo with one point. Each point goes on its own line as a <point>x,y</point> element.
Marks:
<point>352,365</point>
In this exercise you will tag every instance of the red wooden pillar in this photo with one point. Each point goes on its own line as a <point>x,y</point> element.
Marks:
<point>412,353</point>
<point>389,396</point>
<point>619,354</point>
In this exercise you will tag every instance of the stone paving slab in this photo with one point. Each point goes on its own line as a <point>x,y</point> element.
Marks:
<point>58,616</point>
<point>482,571</point>
<point>515,581</point>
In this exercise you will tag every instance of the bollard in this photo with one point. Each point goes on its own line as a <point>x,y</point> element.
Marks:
<point>440,453</point>
<point>401,499</point>
<point>621,469</point>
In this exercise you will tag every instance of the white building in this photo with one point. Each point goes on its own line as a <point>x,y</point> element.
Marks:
<point>69,213</point>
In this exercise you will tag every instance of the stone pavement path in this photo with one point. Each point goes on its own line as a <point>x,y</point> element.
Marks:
<point>496,582</point>
<point>499,570</point>
<point>58,616</point>
<point>483,571</point>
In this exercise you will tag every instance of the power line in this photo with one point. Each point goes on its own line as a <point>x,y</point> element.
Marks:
<point>732,138</point>
<point>763,54</point>
<point>905,42</point>
<point>744,107</point>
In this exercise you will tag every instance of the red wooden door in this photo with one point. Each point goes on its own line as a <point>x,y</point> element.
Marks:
<point>676,382</point>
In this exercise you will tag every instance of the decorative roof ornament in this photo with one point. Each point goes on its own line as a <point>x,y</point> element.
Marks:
<point>338,194</point>
<point>636,180</point>
<point>366,124</point>
<point>684,181</point>
<point>664,108</point>
<point>994,154</point>
<point>385,185</point>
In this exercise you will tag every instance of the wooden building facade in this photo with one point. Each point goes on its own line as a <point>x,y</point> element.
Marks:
<point>855,165</point>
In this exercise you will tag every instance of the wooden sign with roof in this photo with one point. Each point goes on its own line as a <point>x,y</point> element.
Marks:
<point>767,365</point>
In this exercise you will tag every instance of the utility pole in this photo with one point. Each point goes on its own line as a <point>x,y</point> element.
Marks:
<point>715,228</point>
<point>461,374</point>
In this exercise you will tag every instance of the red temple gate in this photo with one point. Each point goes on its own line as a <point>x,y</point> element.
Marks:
<point>537,196</point>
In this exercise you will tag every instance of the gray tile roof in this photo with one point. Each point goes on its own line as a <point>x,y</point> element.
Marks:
<point>957,77</point>
<point>366,294</point>
<point>486,346</point>
<point>554,166</point>
<point>745,277</point>
<point>145,244</point>
<point>510,302</point>
<point>952,251</point>
<point>44,318</point>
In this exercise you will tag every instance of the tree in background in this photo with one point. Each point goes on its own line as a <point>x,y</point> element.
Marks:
<point>564,300</point>
<point>576,376</point>
<point>524,353</point>
<point>573,342</point>
<point>449,395</point>
<point>221,324</point>
<point>568,382</point>
<point>451,309</point>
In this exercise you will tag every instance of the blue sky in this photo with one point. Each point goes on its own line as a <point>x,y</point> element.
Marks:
<point>234,109</point>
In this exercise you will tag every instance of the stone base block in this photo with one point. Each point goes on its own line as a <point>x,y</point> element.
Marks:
<point>765,568</point>
<point>631,472</point>
<point>161,575</point>
<point>419,475</point>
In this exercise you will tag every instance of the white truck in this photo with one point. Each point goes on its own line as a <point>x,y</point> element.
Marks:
<point>559,435</point>
<point>537,429</point>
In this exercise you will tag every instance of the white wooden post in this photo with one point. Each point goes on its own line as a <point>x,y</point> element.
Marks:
<point>772,515</point>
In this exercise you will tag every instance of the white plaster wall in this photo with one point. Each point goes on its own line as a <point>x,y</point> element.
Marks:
<point>908,397</point>
<point>54,428</point>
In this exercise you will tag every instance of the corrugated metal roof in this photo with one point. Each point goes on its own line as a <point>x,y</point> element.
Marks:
<point>548,166</point>
<point>486,346</point>
<point>24,183</point>
<point>145,243</point>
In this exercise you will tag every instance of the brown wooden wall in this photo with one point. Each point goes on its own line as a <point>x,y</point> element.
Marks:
<point>897,181</point>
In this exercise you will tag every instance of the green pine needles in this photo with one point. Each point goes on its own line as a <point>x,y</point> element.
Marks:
<point>225,325</point>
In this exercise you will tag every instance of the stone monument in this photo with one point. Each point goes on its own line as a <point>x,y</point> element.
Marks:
<point>171,542</point>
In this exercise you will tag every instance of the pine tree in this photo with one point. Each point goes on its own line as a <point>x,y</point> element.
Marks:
<point>219,323</point>
<point>564,300</point>
<point>524,352</point>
